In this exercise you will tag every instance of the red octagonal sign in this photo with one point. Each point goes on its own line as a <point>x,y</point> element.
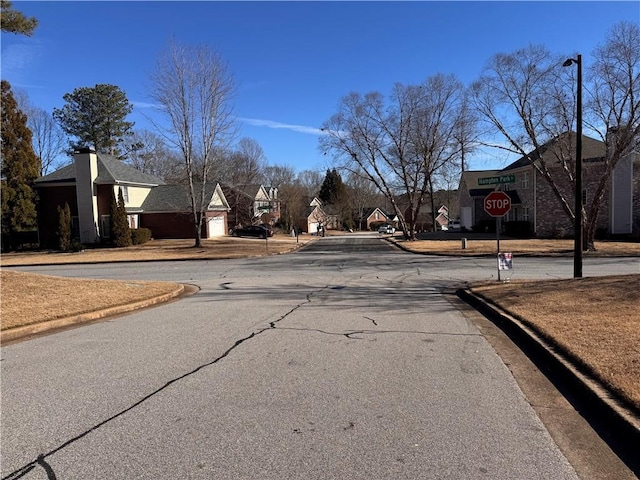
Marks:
<point>497,204</point>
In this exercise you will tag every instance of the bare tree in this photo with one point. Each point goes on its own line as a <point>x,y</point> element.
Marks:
<point>361,195</point>
<point>194,90</point>
<point>399,146</point>
<point>529,98</point>
<point>149,154</point>
<point>311,180</point>
<point>614,107</point>
<point>48,140</point>
<point>243,165</point>
<point>278,176</point>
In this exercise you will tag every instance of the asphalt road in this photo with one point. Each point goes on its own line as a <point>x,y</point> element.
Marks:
<point>341,361</point>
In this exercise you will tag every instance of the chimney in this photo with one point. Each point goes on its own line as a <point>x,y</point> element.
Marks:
<point>86,162</point>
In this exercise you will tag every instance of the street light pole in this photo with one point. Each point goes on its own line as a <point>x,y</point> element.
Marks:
<point>578,224</point>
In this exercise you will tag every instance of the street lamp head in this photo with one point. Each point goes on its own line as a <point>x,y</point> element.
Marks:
<point>568,62</point>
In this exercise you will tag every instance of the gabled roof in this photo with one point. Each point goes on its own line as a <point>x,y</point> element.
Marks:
<point>251,191</point>
<point>176,198</point>
<point>369,211</point>
<point>110,171</point>
<point>592,149</point>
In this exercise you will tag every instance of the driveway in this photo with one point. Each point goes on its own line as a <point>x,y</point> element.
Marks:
<point>345,360</point>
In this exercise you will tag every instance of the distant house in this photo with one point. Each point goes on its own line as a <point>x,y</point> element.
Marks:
<point>86,186</point>
<point>374,215</point>
<point>314,216</point>
<point>251,204</point>
<point>535,204</point>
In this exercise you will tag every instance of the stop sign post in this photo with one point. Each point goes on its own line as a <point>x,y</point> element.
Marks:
<point>497,204</point>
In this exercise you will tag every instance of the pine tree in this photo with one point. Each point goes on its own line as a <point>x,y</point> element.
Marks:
<point>20,167</point>
<point>14,21</point>
<point>96,116</point>
<point>120,231</point>
<point>64,227</point>
<point>332,189</point>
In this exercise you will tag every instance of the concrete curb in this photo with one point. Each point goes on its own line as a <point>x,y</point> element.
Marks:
<point>615,422</point>
<point>18,333</point>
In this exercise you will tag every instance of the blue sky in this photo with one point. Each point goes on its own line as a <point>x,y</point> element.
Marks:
<point>292,61</point>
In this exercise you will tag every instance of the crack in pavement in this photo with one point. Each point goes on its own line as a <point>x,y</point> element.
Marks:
<point>350,333</point>
<point>40,459</point>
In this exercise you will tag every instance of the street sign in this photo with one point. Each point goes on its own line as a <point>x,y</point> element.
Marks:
<point>497,204</point>
<point>497,180</point>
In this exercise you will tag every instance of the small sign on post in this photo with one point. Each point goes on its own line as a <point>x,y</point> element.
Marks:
<point>505,261</point>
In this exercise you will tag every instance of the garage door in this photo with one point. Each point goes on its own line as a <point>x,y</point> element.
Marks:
<point>216,227</point>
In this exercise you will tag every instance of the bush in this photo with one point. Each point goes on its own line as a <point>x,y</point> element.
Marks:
<point>64,228</point>
<point>485,226</point>
<point>140,236</point>
<point>518,229</point>
<point>76,246</point>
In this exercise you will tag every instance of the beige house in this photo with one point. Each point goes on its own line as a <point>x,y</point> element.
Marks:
<point>86,186</point>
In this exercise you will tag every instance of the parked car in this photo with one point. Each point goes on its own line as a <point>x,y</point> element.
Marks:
<point>386,229</point>
<point>259,231</point>
<point>454,226</point>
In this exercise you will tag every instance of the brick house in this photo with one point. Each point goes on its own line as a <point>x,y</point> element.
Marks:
<point>251,203</point>
<point>374,215</point>
<point>533,200</point>
<point>86,185</point>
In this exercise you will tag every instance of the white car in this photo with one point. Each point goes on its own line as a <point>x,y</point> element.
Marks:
<point>454,226</point>
<point>386,229</point>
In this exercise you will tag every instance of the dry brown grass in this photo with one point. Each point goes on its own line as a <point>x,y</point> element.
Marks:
<point>216,248</point>
<point>596,320</point>
<point>28,298</point>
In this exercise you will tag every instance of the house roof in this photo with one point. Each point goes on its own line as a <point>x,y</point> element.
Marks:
<point>592,149</point>
<point>173,198</point>
<point>110,171</point>
<point>470,177</point>
<point>369,211</point>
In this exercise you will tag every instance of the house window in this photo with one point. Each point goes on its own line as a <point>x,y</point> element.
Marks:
<point>125,193</point>
<point>525,180</point>
<point>525,214</point>
<point>105,224</point>
<point>377,216</point>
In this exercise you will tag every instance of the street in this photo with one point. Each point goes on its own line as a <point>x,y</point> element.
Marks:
<point>344,360</point>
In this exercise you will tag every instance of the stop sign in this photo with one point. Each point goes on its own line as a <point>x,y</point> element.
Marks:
<point>497,204</point>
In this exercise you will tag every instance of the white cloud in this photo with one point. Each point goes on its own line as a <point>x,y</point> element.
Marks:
<point>271,124</point>
<point>17,58</point>
<point>144,104</point>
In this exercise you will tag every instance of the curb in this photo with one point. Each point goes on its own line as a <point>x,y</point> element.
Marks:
<point>616,423</point>
<point>18,333</point>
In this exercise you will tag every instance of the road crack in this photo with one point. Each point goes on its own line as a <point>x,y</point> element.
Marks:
<point>40,461</point>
